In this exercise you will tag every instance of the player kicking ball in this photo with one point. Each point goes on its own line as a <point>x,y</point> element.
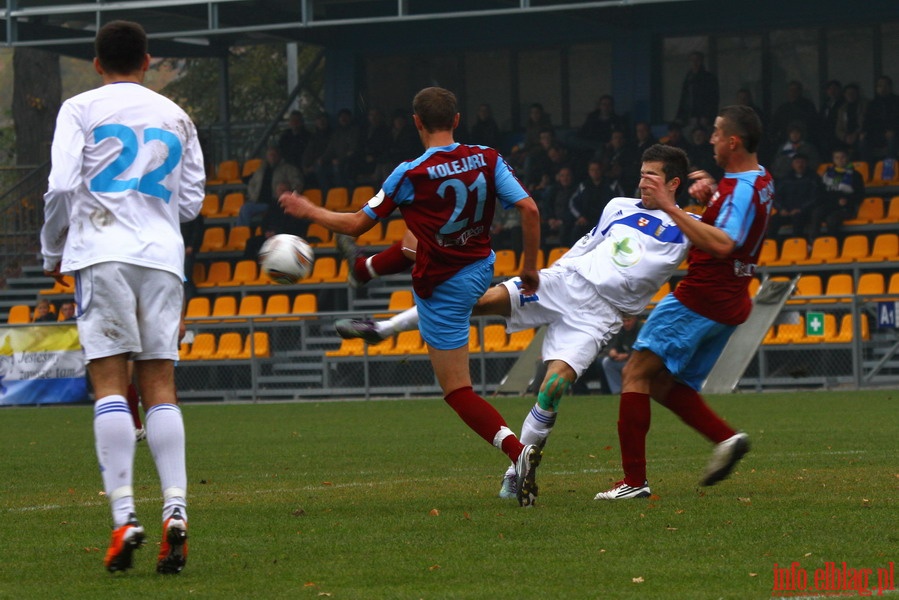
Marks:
<point>612,271</point>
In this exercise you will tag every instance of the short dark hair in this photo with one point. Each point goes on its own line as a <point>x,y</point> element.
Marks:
<point>674,162</point>
<point>436,107</point>
<point>743,122</point>
<point>120,47</point>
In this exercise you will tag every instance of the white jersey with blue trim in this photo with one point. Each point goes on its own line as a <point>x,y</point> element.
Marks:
<point>127,169</point>
<point>629,255</point>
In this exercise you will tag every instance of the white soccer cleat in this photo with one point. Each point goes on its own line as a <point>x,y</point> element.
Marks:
<point>623,491</point>
<point>725,457</point>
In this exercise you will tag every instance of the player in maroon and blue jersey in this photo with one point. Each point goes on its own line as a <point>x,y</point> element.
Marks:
<point>447,197</point>
<point>687,331</point>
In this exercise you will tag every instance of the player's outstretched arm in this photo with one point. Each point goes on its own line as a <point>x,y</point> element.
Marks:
<point>299,206</point>
<point>530,228</point>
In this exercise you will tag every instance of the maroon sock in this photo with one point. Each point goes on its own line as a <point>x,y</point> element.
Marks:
<point>633,425</point>
<point>687,404</point>
<point>391,260</point>
<point>133,405</point>
<point>482,418</point>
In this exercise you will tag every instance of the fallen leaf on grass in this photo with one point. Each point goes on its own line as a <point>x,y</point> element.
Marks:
<point>433,567</point>
<point>466,516</point>
<point>434,512</point>
<point>753,574</point>
<point>807,554</point>
<point>745,500</point>
<point>655,497</point>
<point>309,584</point>
<point>327,483</point>
<point>299,513</point>
<point>670,528</point>
<point>637,580</point>
<point>679,511</point>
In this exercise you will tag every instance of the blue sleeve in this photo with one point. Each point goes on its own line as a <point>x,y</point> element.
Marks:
<point>508,189</point>
<point>738,213</point>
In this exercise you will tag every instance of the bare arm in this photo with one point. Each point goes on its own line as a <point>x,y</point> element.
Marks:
<point>530,229</point>
<point>299,206</point>
<point>702,235</point>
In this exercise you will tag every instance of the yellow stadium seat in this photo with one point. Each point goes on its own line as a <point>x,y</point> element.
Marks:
<point>20,313</point>
<point>314,195</point>
<point>870,284</point>
<point>540,260</point>
<point>249,167</point>
<point>394,231</point>
<point>663,291</point>
<point>246,272</point>
<point>348,347</point>
<point>323,270</point>
<point>210,205</point>
<point>224,306</point>
<point>807,288</point>
<point>892,211</point>
<point>250,306</point>
<point>227,172</point>
<point>885,248</point>
<point>67,286</point>
<point>372,237</point>
<point>495,338</point>
<point>256,345</point>
<point>337,199</point>
<point>839,287</point>
<point>885,173</point>
<point>847,333</point>
<point>219,271</point>
<point>277,305</point>
<point>792,250</point>
<point>202,348</point>
<point>869,211</point>
<point>382,348</point>
<point>407,342</point>
<point>506,264</point>
<point>519,340</point>
<point>825,249</point>
<point>769,252</point>
<point>229,346</point>
<point>555,254</point>
<point>231,205</point>
<point>319,236</point>
<point>361,195</point>
<point>197,307</point>
<point>237,238</point>
<point>305,305</point>
<point>213,239</point>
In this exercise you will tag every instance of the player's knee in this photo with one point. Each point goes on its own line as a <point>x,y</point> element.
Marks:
<point>554,387</point>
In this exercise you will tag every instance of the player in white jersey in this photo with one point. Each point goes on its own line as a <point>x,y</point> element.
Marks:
<point>612,271</point>
<point>127,169</point>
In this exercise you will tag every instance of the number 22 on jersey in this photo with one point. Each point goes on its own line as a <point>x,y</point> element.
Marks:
<point>107,180</point>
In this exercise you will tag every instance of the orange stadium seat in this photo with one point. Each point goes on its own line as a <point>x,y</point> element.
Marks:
<point>249,167</point>
<point>825,249</point>
<point>210,205</point>
<point>361,195</point>
<point>319,236</point>
<point>792,250</point>
<point>197,307</point>
<point>506,263</point>
<point>20,313</point>
<point>229,346</point>
<point>885,248</point>
<point>237,238</point>
<point>337,199</point>
<point>305,304</point>
<point>555,254</point>
<point>257,345</point>
<point>870,210</point>
<point>231,205</point>
<point>870,284</point>
<point>227,172</point>
<point>213,239</point>
<point>250,306</point>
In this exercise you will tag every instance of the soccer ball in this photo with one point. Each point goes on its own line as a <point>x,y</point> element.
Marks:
<point>286,258</point>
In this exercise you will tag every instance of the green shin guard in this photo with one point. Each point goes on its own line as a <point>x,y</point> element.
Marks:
<point>551,393</point>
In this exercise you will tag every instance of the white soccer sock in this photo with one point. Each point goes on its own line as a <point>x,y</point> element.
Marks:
<point>404,321</point>
<point>165,436</point>
<point>537,425</point>
<point>114,441</point>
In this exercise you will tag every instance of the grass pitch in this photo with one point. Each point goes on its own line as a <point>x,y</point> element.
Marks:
<point>397,499</point>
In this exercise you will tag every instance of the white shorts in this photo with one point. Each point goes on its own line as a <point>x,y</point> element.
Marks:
<point>579,322</point>
<point>125,308</point>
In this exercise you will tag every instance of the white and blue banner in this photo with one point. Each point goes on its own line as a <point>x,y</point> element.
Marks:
<point>41,364</point>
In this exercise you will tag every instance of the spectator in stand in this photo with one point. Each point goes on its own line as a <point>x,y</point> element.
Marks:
<point>798,194</point>
<point>192,233</point>
<point>796,110</point>
<point>294,139</point>
<point>42,312</point>
<point>701,154</point>
<point>675,137</point>
<point>538,169</point>
<point>827,115</point>
<point>850,120</point>
<point>643,139</point>
<point>600,123</point>
<point>375,143</point>
<point>403,145</point>
<point>618,351</point>
<point>795,143</point>
<point>334,167</point>
<point>699,95</point>
<point>589,200</point>
<point>881,126</point>
<point>619,152</point>
<point>67,310</point>
<point>555,217</point>
<point>743,97</point>
<point>538,121</point>
<point>505,231</point>
<point>262,191</point>
<point>318,143</point>
<point>485,130</point>
<point>844,189</point>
